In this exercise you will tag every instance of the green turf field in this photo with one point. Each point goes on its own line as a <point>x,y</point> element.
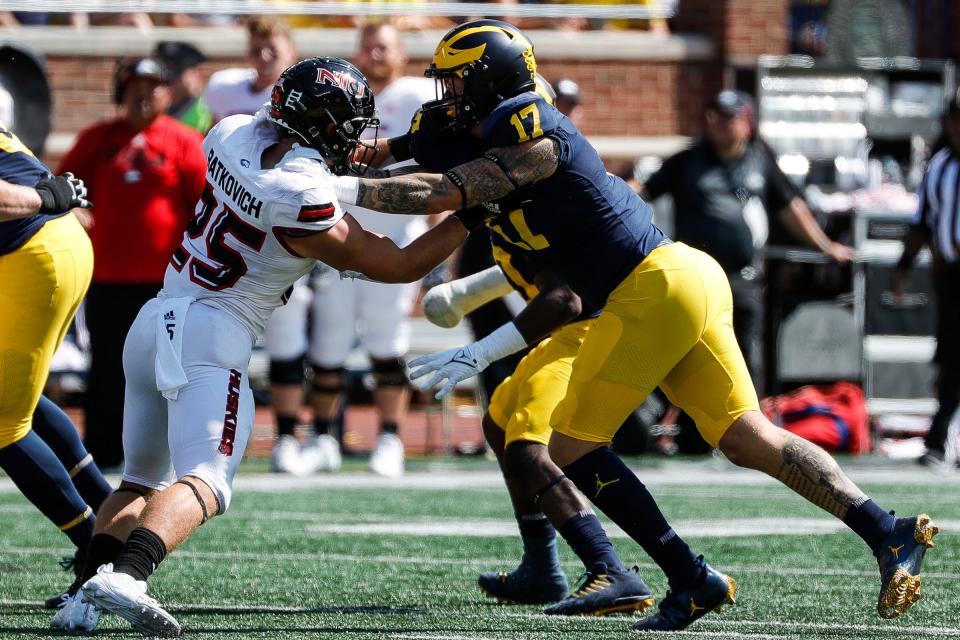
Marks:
<point>351,556</point>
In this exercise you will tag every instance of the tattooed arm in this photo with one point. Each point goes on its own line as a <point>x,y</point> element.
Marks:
<point>500,172</point>
<point>382,174</point>
<point>380,156</point>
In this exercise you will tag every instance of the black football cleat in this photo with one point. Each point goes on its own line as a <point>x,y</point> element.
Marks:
<point>680,609</point>
<point>75,563</point>
<point>900,556</point>
<point>524,585</point>
<point>603,592</point>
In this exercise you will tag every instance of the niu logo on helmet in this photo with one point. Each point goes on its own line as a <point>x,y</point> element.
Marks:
<point>343,80</point>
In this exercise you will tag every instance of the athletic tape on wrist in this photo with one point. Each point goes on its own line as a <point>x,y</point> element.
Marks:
<point>506,340</point>
<point>347,189</point>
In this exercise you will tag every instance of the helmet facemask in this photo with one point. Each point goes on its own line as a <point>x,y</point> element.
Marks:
<point>341,143</point>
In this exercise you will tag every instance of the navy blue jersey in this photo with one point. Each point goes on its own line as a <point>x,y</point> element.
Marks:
<point>436,152</point>
<point>586,225</point>
<point>19,166</point>
<point>521,270</point>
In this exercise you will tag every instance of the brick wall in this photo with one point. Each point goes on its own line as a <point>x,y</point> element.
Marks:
<point>740,28</point>
<point>622,97</point>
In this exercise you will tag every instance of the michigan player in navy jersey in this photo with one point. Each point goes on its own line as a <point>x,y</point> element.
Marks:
<point>665,320</point>
<point>45,267</point>
<point>517,421</point>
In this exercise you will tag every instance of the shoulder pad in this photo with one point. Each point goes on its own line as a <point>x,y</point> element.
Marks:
<point>519,119</point>
<point>440,152</point>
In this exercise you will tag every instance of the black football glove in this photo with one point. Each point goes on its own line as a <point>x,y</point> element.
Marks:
<point>472,218</point>
<point>59,194</point>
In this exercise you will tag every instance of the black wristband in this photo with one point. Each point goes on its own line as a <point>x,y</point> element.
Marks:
<point>506,171</point>
<point>471,218</point>
<point>458,181</point>
<point>400,147</point>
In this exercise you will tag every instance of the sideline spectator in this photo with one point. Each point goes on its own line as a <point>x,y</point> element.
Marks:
<point>145,172</point>
<point>270,50</point>
<point>724,187</point>
<point>569,101</point>
<point>187,105</point>
<point>935,224</point>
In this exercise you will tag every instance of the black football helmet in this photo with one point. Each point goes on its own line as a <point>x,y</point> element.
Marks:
<point>545,90</point>
<point>327,103</point>
<point>495,61</point>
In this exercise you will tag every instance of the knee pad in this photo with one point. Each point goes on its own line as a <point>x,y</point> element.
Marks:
<point>287,371</point>
<point>390,372</point>
<point>321,375</point>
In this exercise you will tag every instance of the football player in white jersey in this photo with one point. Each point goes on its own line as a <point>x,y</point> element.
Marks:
<point>270,50</point>
<point>267,214</point>
<point>342,308</point>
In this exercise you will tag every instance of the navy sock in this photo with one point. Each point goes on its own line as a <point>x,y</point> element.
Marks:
<point>57,429</point>
<point>539,541</point>
<point>603,477</point>
<point>589,541</point>
<point>869,521</point>
<point>286,425</point>
<point>388,426</point>
<point>141,555</point>
<point>40,476</point>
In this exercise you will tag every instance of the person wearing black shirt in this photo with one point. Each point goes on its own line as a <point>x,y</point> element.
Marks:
<point>723,188</point>
<point>935,224</point>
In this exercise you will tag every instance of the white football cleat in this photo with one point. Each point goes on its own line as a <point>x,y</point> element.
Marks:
<point>285,457</point>
<point>125,596</point>
<point>387,457</point>
<point>75,614</point>
<point>322,453</point>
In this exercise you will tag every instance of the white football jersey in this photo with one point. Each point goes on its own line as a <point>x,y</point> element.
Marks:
<point>230,91</point>
<point>231,256</point>
<point>396,106</point>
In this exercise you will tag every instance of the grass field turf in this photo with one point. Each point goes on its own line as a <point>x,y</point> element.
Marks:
<point>350,556</point>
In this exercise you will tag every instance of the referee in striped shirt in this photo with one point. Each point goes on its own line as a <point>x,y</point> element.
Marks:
<point>937,224</point>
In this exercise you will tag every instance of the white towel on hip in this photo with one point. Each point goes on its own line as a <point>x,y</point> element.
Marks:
<point>168,367</point>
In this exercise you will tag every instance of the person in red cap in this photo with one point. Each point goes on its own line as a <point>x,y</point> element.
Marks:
<point>147,171</point>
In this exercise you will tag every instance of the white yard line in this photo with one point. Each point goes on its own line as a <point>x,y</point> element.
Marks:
<point>709,474</point>
<point>477,563</point>
<point>710,622</point>
<point>486,528</point>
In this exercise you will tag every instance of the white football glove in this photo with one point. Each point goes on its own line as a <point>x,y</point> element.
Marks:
<point>452,365</point>
<point>456,365</point>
